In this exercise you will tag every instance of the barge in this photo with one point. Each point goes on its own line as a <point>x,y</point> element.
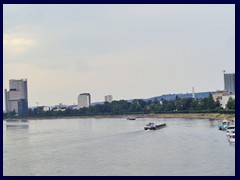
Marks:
<point>153,126</point>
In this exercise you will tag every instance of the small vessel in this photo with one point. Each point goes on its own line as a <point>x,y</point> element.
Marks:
<point>224,125</point>
<point>153,126</point>
<point>231,137</point>
<point>131,118</point>
<point>230,128</point>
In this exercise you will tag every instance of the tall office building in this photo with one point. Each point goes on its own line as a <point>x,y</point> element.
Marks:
<point>16,99</point>
<point>84,100</point>
<point>229,83</point>
<point>108,98</point>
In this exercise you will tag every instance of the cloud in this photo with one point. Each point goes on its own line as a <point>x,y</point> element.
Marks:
<point>21,42</point>
<point>17,45</point>
<point>109,48</point>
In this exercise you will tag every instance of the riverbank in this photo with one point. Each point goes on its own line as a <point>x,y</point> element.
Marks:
<point>176,115</point>
<point>194,116</point>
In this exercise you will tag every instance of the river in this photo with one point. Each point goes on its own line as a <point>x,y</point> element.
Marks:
<point>117,147</point>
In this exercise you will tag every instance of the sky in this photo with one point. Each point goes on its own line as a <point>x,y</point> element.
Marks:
<point>129,51</point>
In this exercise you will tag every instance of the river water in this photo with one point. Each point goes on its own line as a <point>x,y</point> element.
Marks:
<point>118,147</point>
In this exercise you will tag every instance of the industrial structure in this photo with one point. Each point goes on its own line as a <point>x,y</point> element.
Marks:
<point>229,90</point>
<point>229,83</point>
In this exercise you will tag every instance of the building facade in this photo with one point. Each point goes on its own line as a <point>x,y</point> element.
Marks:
<point>225,99</point>
<point>222,97</point>
<point>217,96</point>
<point>108,98</point>
<point>84,100</point>
<point>16,99</point>
<point>229,83</point>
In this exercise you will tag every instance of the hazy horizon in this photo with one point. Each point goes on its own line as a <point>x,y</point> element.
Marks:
<point>128,51</point>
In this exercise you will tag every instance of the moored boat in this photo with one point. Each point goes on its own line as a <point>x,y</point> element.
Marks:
<point>131,118</point>
<point>224,125</point>
<point>153,126</point>
<point>230,129</point>
<point>231,137</point>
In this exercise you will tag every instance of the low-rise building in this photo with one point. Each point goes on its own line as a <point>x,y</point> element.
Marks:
<point>222,97</point>
<point>225,99</point>
<point>47,108</point>
<point>108,98</point>
<point>218,95</point>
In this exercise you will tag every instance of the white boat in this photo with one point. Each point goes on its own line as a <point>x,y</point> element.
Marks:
<point>230,128</point>
<point>231,137</point>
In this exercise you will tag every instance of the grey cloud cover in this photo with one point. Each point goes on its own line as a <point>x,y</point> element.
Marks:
<point>129,51</point>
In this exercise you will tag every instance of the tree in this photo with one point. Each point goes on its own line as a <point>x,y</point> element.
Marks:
<point>193,105</point>
<point>218,104</point>
<point>231,103</point>
<point>210,102</point>
<point>12,113</point>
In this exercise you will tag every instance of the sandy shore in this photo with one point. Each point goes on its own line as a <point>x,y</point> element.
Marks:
<point>180,115</point>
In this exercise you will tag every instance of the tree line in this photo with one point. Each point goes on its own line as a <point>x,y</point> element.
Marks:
<point>139,106</point>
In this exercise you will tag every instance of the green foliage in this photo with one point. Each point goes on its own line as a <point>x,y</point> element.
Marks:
<point>231,103</point>
<point>139,106</point>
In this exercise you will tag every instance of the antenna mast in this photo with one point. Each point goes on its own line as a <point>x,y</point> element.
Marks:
<point>193,93</point>
<point>224,78</point>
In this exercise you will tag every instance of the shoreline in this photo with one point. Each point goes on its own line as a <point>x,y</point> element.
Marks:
<point>180,115</point>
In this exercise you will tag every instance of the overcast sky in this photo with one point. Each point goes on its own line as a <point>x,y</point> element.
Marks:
<point>128,51</point>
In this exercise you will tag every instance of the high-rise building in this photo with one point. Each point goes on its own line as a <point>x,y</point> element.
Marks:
<point>229,83</point>
<point>16,99</point>
<point>84,100</point>
<point>108,98</point>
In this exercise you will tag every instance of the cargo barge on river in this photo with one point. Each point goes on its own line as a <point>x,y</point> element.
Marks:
<point>153,126</point>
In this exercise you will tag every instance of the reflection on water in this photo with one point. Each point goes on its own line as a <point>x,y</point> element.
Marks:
<point>16,124</point>
<point>19,126</point>
<point>213,123</point>
<point>117,147</point>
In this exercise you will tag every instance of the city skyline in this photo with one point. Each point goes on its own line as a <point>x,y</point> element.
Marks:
<point>129,51</point>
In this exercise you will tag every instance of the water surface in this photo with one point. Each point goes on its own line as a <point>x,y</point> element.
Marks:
<point>77,147</point>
